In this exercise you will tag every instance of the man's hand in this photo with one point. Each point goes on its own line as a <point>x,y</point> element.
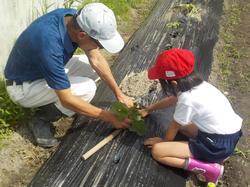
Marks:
<point>121,124</point>
<point>129,101</point>
<point>151,141</point>
<point>115,121</point>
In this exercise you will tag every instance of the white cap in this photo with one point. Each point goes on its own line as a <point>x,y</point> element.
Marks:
<point>99,22</point>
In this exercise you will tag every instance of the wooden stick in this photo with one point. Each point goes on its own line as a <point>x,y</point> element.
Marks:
<point>101,144</point>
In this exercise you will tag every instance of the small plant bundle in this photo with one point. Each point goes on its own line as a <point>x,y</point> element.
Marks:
<point>190,10</point>
<point>122,112</point>
<point>173,25</point>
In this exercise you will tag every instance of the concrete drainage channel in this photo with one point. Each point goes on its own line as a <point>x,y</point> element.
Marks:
<point>125,161</point>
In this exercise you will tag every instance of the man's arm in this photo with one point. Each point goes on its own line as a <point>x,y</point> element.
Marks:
<point>80,106</point>
<point>100,65</point>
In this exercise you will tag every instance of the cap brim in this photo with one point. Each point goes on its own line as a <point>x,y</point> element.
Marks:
<point>113,45</point>
<point>153,74</point>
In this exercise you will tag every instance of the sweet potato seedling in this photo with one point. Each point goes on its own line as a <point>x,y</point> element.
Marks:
<point>122,112</point>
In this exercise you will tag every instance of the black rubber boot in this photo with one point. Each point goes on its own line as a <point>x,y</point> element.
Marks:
<point>41,125</point>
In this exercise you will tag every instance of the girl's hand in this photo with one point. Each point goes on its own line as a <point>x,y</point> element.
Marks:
<point>144,112</point>
<point>151,141</point>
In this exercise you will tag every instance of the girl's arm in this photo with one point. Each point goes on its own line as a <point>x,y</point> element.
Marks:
<point>172,131</point>
<point>164,103</point>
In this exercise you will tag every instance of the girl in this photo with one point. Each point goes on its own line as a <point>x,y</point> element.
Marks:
<point>202,113</point>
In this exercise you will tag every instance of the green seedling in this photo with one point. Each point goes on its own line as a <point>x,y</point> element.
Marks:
<point>122,112</point>
<point>173,25</point>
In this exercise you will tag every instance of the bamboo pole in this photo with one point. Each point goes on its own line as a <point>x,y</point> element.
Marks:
<point>101,144</point>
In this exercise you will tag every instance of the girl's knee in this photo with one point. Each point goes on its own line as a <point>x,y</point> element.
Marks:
<point>156,151</point>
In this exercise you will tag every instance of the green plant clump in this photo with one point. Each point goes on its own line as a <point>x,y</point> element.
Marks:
<point>10,113</point>
<point>190,10</point>
<point>122,112</point>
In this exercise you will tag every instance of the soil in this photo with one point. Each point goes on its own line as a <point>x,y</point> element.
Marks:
<point>20,158</point>
<point>144,87</point>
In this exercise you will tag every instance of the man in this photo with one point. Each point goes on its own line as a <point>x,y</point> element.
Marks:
<point>40,72</point>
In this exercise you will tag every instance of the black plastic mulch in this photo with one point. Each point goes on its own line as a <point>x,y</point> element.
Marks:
<point>125,161</point>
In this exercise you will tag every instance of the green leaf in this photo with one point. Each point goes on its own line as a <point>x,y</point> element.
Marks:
<point>138,127</point>
<point>120,109</point>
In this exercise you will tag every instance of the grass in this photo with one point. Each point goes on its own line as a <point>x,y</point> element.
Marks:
<point>121,8</point>
<point>10,113</point>
<point>69,3</point>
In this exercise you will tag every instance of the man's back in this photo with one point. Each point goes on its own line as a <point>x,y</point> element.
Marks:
<point>43,47</point>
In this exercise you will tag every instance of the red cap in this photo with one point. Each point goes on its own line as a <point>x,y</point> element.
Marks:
<point>172,64</point>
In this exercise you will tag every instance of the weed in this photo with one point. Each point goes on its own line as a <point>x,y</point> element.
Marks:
<point>4,134</point>
<point>244,154</point>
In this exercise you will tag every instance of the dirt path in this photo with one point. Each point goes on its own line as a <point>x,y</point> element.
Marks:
<point>232,74</point>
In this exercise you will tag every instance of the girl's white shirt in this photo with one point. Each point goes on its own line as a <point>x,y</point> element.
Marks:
<point>207,108</point>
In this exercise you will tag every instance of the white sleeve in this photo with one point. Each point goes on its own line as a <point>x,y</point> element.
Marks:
<point>183,114</point>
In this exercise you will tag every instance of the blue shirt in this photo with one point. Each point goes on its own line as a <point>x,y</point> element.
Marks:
<point>42,51</point>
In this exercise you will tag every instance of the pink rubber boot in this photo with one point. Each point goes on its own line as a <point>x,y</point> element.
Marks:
<point>207,172</point>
